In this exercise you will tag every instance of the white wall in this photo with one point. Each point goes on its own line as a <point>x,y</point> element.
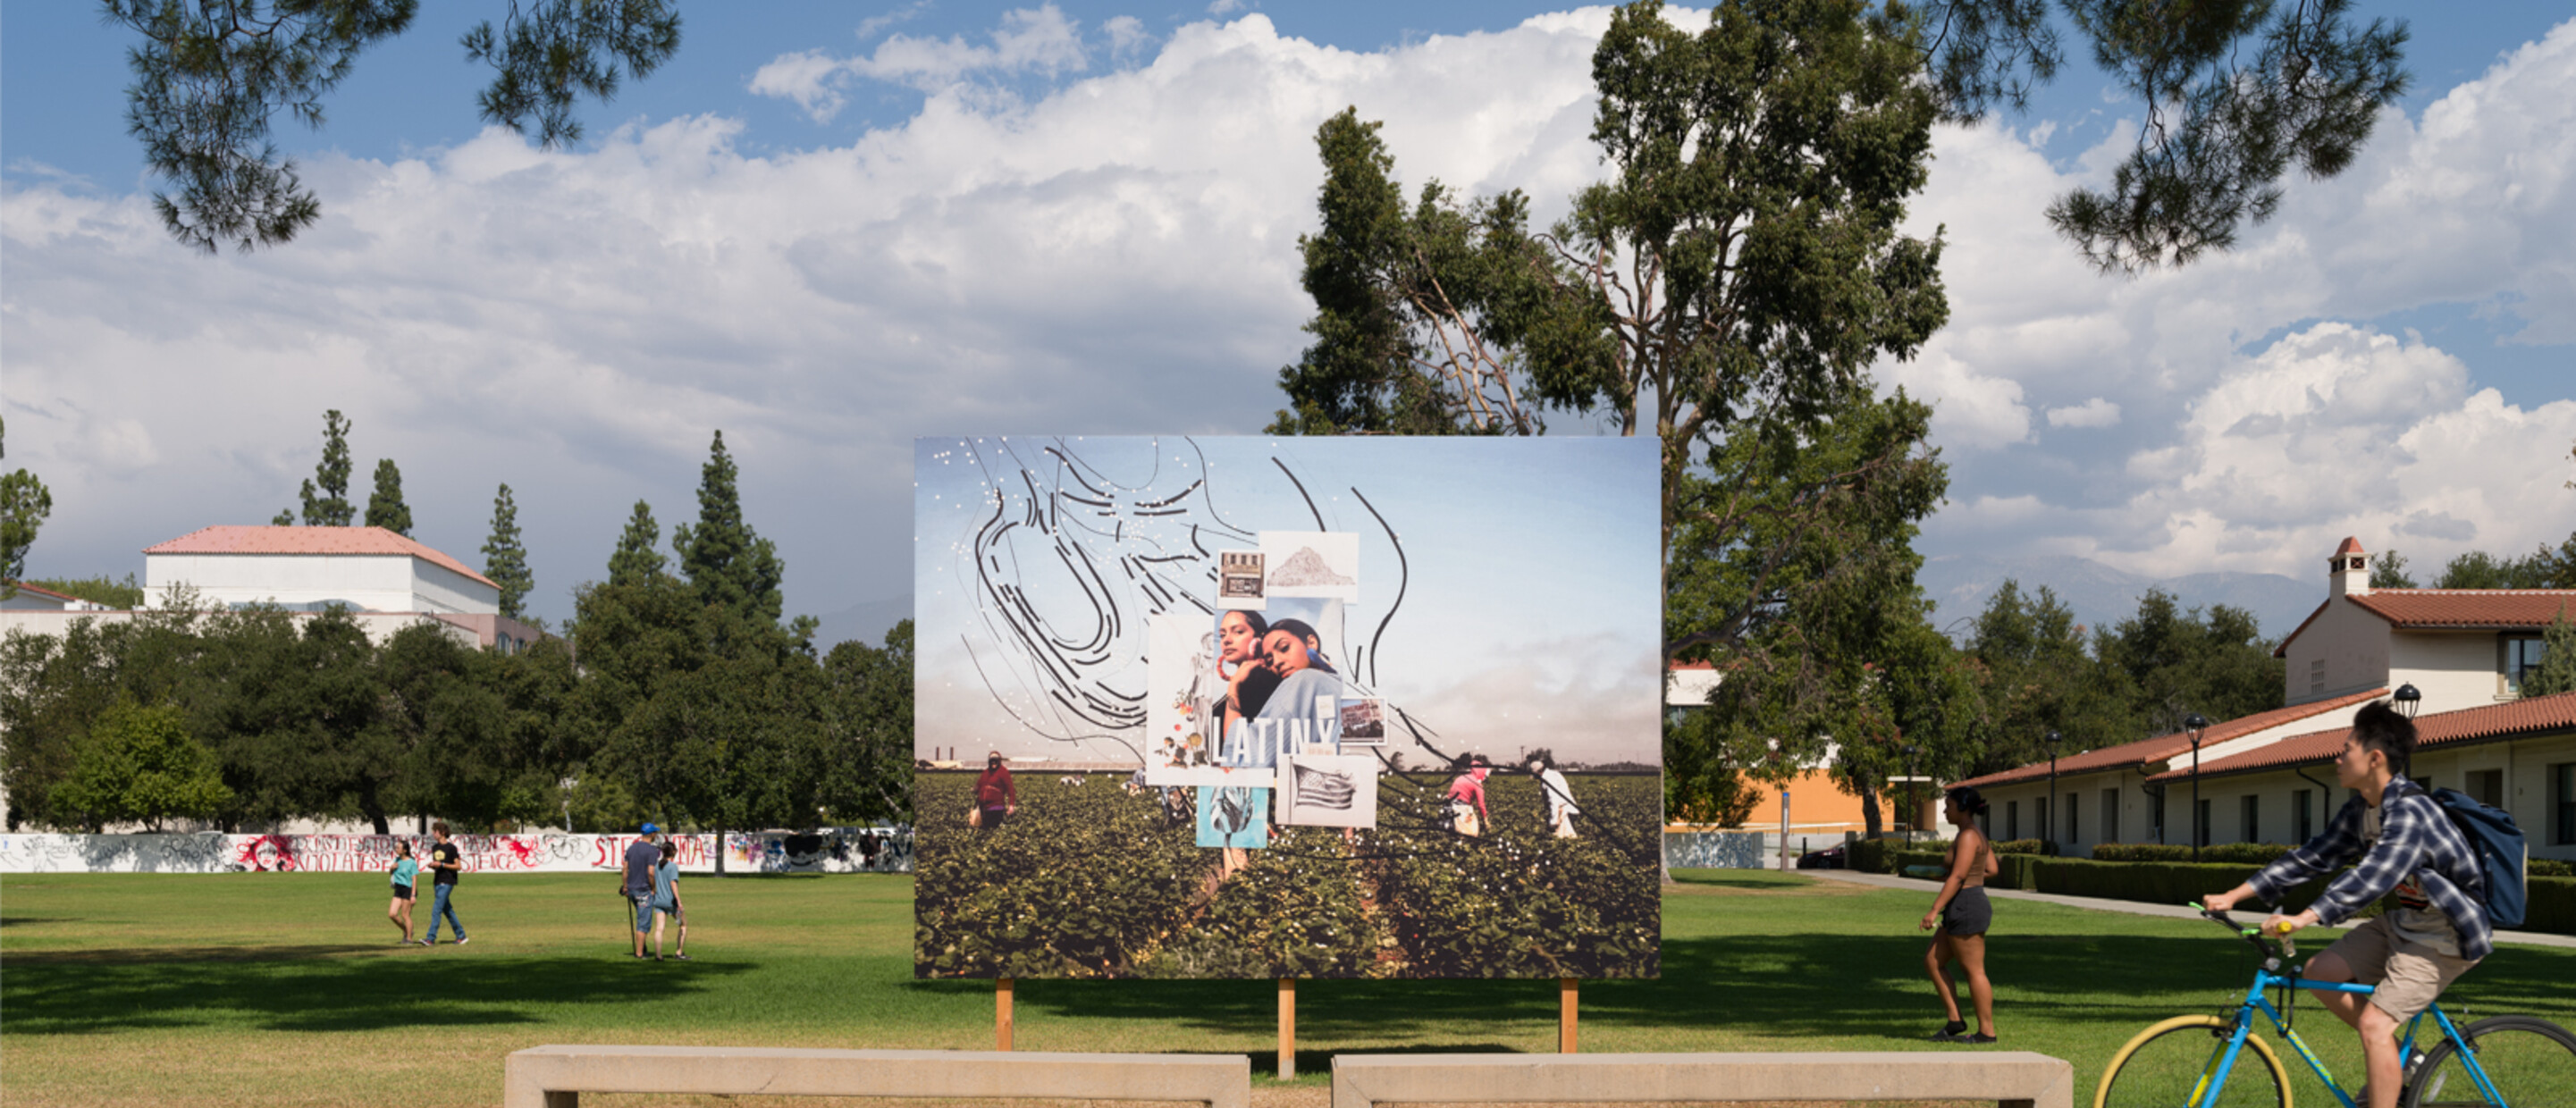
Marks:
<point>375,582</point>
<point>2453,669</point>
<point>2352,643</point>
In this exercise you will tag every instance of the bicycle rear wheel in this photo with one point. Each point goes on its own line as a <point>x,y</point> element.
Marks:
<point>2531,1061</point>
<point>2171,1064</point>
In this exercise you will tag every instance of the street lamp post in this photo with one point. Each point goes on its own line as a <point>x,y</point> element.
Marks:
<point>2409,698</point>
<point>2197,724</point>
<point>2050,832</point>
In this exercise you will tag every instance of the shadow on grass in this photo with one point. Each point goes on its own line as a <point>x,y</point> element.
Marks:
<point>1787,986</point>
<point>315,988</point>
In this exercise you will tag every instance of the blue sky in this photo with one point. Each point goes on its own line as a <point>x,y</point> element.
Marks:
<point>829,229</point>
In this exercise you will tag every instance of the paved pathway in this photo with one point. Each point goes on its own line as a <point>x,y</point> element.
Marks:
<point>2133,907</point>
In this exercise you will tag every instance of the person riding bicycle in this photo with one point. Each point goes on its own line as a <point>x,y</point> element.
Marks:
<point>2405,844</point>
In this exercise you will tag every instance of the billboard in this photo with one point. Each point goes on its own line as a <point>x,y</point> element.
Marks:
<point>1287,707</point>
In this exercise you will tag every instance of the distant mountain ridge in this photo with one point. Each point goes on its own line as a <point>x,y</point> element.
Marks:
<point>1959,585</point>
<point>867,623</point>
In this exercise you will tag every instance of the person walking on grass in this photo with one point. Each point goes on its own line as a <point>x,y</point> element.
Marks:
<point>2406,845</point>
<point>635,882</point>
<point>666,902</point>
<point>405,870</point>
<point>445,861</point>
<point>1963,914</point>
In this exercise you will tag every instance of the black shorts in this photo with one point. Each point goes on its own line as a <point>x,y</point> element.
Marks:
<point>1970,913</point>
<point>402,892</point>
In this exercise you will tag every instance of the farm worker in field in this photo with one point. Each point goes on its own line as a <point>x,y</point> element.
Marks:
<point>636,881</point>
<point>447,861</point>
<point>995,793</point>
<point>666,902</point>
<point>1467,814</point>
<point>1558,795</point>
<point>405,871</point>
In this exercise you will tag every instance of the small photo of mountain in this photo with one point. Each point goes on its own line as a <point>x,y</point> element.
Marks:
<point>1312,563</point>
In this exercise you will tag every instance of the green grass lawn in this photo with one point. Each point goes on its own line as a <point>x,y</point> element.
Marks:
<point>287,989</point>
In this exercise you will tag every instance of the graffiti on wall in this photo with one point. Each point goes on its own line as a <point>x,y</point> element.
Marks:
<point>843,850</point>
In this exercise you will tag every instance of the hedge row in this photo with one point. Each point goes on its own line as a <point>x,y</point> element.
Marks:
<point>2552,898</point>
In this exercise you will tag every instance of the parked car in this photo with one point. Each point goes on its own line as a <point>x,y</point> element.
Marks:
<point>1831,857</point>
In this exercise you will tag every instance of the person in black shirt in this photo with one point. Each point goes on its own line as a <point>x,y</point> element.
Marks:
<point>446,862</point>
<point>637,883</point>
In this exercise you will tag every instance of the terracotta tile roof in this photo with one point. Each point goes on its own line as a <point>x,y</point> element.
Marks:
<point>25,587</point>
<point>2167,747</point>
<point>2529,715</point>
<point>2498,608</point>
<point>2350,546</point>
<point>235,539</point>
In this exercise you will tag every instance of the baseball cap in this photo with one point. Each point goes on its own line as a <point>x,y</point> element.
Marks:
<point>650,829</point>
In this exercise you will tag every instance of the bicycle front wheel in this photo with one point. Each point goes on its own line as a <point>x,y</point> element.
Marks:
<point>2530,1061</point>
<point>2173,1065</point>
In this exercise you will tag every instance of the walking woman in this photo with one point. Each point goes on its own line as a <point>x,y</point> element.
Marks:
<point>1963,915</point>
<point>406,870</point>
<point>666,901</point>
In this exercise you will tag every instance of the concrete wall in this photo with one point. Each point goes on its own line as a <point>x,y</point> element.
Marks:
<point>441,589</point>
<point>2526,775</point>
<point>2343,650</point>
<point>2083,793</point>
<point>759,852</point>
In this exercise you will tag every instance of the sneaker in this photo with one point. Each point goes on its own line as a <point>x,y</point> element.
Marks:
<point>1974,1039</point>
<point>682,957</point>
<point>462,940</point>
<point>1950,1033</point>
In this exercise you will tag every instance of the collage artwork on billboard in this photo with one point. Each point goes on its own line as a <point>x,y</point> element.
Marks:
<point>1303,707</point>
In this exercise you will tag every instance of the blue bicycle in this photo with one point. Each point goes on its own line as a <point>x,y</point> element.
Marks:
<point>2192,1061</point>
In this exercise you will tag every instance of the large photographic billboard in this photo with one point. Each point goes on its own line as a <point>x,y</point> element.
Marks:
<point>1287,707</point>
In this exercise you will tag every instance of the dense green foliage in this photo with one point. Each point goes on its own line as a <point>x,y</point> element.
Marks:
<point>125,595</point>
<point>325,495</point>
<point>2138,677</point>
<point>24,504</point>
<point>1089,880</point>
<point>727,562</point>
<point>385,507</point>
<point>140,764</point>
<point>638,558</point>
<point>505,558</point>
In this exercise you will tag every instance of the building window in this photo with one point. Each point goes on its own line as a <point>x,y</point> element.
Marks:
<point>2317,675</point>
<point>2200,825</point>
<point>2110,815</point>
<point>2562,804</point>
<point>2520,656</point>
<point>2012,820</point>
<point>2486,786</point>
<point>2253,819</point>
<point>2303,809</point>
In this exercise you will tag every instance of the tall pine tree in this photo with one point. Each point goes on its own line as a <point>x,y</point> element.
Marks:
<point>326,495</point>
<point>636,561</point>
<point>723,558</point>
<point>385,507</point>
<point>505,561</point>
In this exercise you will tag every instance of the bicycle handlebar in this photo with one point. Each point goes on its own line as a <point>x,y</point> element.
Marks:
<point>2288,948</point>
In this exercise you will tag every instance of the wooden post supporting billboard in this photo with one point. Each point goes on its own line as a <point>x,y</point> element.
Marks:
<point>1287,1028</point>
<point>1002,1013</point>
<point>1566,1000</point>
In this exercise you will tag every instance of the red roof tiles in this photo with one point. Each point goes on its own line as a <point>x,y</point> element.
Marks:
<point>2473,608</point>
<point>2529,715</point>
<point>2350,546</point>
<point>2166,747</point>
<point>235,539</point>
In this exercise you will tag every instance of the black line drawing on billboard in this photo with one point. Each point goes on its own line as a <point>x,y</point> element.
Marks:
<point>1073,618</point>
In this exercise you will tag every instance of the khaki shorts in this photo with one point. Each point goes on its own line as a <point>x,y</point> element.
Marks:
<point>2410,975</point>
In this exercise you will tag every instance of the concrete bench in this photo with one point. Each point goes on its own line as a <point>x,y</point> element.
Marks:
<point>556,1076</point>
<point>2013,1079</point>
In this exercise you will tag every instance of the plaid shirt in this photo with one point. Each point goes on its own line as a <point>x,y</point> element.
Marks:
<point>2414,838</point>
